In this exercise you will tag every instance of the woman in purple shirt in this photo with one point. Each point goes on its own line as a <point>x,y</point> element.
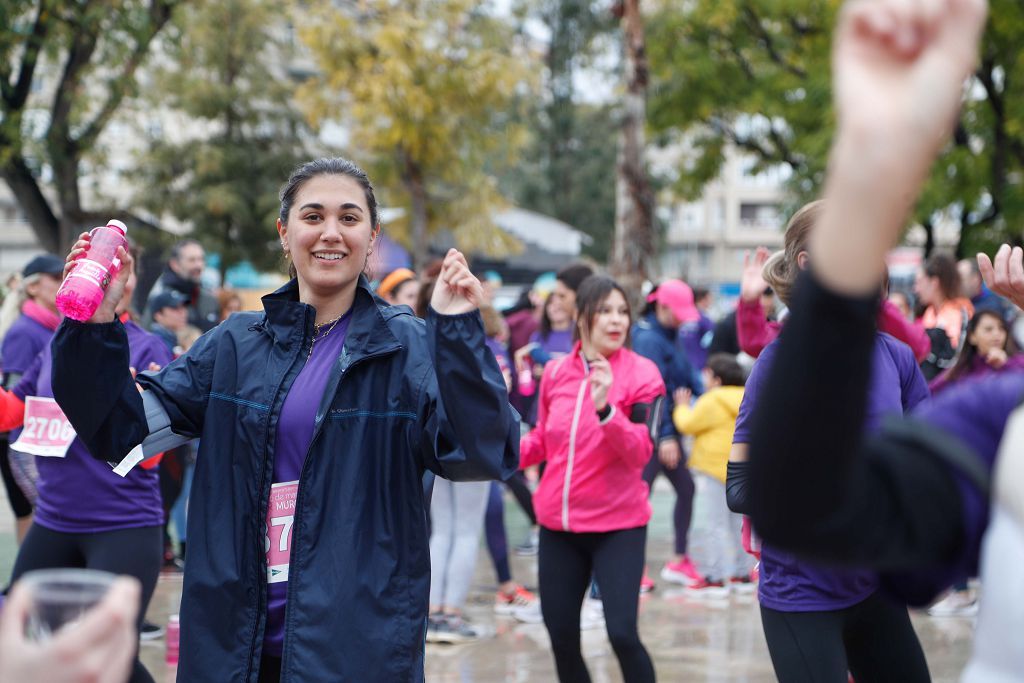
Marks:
<point>989,350</point>
<point>86,515</point>
<point>820,621</point>
<point>27,322</point>
<point>916,499</point>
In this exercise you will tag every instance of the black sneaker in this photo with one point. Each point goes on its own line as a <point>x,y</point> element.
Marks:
<point>150,631</point>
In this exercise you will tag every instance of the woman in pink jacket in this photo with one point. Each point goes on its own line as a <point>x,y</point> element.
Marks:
<point>597,411</point>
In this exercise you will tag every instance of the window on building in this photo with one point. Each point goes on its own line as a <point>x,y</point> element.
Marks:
<point>761,215</point>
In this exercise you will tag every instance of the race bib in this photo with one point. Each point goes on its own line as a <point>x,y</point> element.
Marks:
<point>278,539</point>
<point>47,431</point>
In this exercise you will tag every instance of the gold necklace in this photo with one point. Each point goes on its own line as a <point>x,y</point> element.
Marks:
<point>316,331</point>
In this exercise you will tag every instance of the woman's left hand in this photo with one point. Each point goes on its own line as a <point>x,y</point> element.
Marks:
<point>457,290</point>
<point>996,358</point>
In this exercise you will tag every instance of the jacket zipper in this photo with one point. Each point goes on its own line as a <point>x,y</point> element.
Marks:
<point>572,455</point>
<point>320,418</point>
<point>263,481</point>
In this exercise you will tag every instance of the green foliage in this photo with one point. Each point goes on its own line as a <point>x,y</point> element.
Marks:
<point>225,73</point>
<point>568,167</point>
<point>427,88</point>
<point>756,73</point>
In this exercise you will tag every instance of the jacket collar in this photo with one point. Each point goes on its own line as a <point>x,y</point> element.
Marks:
<point>650,321</point>
<point>180,284</point>
<point>368,333</point>
<point>577,355</point>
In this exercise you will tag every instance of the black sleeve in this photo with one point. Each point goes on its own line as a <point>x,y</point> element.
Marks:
<point>94,387</point>
<point>818,488</point>
<point>737,487</point>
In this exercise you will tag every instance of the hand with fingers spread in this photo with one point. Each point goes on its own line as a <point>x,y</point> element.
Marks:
<point>99,648</point>
<point>601,379</point>
<point>682,396</point>
<point>107,310</point>
<point>457,290</point>
<point>752,283</point>
<point>1005,276</point>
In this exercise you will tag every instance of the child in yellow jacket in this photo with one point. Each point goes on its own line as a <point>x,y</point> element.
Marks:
<point>710,420</point>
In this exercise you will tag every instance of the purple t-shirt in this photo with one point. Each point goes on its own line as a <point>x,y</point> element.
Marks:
<point>79,494</point>
<point>789,584</point>
<point>558,343</point>
<point>22,343</point>
<point>975,412</point>
<point>294,435</point>
<point>695,337</point>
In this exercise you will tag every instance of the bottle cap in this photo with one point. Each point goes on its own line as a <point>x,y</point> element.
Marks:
<point>114,223</point>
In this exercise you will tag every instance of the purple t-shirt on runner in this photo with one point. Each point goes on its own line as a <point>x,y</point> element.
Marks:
<point>789,584</point>
<point>294,435</point>
<point>22,343</point>
<point>557,344</point>
<point>79,494</point>
<point>975,412</point>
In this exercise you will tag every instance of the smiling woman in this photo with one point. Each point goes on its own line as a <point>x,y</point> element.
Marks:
<point>318,419</point>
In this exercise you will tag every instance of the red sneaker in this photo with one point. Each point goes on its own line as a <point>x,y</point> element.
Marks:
<point>646,584</point>
<point>709,589</point>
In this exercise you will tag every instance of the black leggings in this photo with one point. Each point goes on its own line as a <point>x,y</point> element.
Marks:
<point>682,482</point>
<point>616,559</point>
<point>873,640</point>
<point>135,552</point>
<point>20,505</point>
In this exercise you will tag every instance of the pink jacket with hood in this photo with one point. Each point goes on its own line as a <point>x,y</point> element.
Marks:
<point>592,482</point>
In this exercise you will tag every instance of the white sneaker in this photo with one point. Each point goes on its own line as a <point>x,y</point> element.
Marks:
<point>956,604</point>
<point>592,615</point>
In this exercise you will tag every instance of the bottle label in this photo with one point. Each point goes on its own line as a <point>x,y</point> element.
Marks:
<point>91,271</point>
<point>47,431</point>
<point>278,539</point>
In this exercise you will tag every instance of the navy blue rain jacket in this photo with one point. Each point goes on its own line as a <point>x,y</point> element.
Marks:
<point>403,398</point>
<point>661,345</point>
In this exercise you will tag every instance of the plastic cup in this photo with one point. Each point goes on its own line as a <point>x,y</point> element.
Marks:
<point>61,596</point>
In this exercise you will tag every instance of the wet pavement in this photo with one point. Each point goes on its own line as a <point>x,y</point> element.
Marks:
<point>689,639</point>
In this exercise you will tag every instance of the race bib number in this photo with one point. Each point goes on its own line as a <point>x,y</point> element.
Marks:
<point>278,539</point>
<point>47,431</point>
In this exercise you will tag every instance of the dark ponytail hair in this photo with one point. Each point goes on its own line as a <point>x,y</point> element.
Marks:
<point>325,166</point>
<point>968,352</point>
<point>590,295</point>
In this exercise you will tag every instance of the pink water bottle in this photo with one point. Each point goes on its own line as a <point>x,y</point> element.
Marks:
<point>526,384</point>
<point>173,638</point>
<point>82,291</point>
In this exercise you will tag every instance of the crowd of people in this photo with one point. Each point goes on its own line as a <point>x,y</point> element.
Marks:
<point>845,446</point>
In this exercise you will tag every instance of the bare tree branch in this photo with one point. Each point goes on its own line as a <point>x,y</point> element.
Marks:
<point>754,22</point>
<point>159,13</point>
<point>16,95</point>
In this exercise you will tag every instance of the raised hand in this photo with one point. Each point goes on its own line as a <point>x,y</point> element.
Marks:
<point>601,379</point>
<point>457,290</point>
<point>1005,277</point>
<point>107,310</point>
<point>752,283</point>
<point>898,76</point>
<point>682,396</point>
<point>899,66</point>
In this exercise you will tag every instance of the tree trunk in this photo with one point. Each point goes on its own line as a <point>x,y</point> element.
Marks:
<point>412,180</point>
<point>633,251</point>
<point>33,202</point>
<point>929,238</point>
